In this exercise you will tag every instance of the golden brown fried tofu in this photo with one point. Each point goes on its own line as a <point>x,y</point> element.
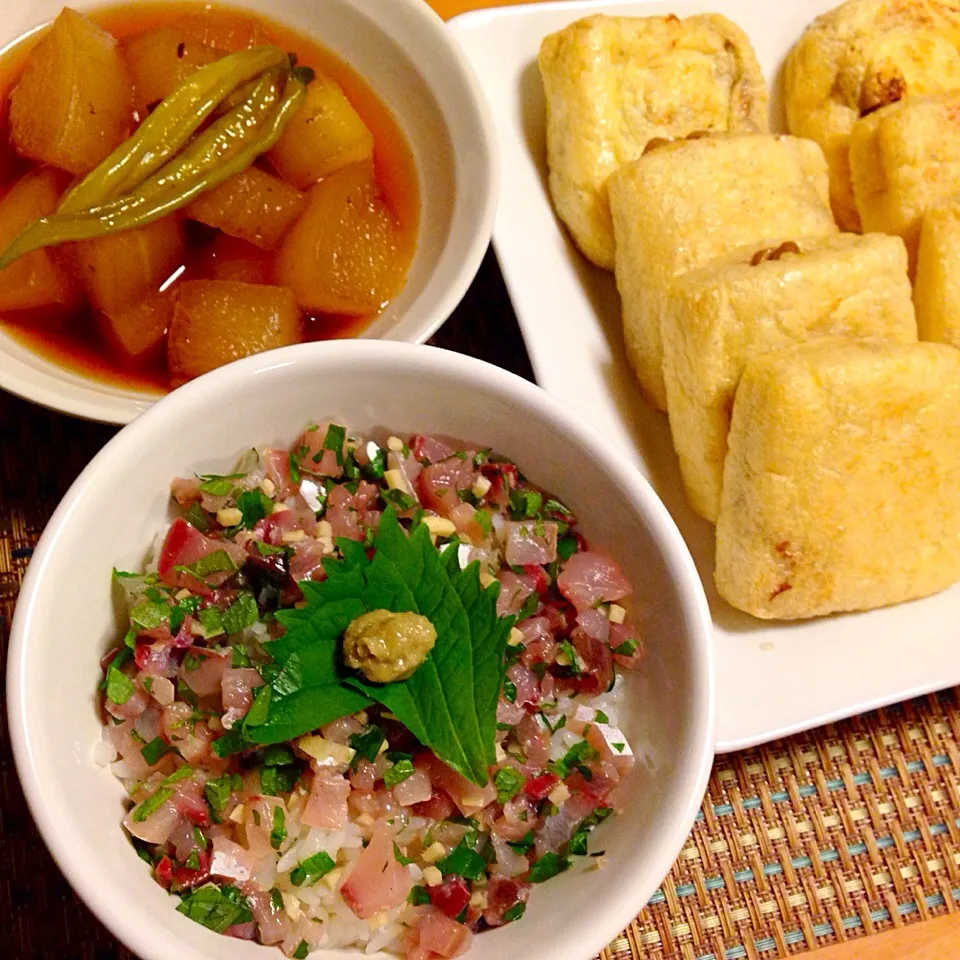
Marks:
<point>840,489</point>
<point>858,57</point>
<point>721,316</point>
<point>614,83</point>
<point>936,289</point>
<point>904,159</point>
<point>686,203</point>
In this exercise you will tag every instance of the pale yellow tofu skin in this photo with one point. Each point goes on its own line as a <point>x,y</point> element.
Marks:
<point>857,57</point>
<point>936,289</point>
<point>725,314</point>
<point>686,203</point>
<point>614,83</point>
<point>840,489</point>
<point>905,159</point>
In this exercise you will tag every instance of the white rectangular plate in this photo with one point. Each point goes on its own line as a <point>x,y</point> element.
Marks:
<point>773,679</point>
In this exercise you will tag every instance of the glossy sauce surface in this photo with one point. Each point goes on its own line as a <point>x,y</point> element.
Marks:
<point>76,343</point>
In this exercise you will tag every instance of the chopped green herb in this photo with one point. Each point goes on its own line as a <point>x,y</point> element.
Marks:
<point>482,519</point>
<point>367,744</point>
<point>549,865</point>
<point>579,754</point>
<point>218,791</point>
<point>154,751</point>
<point>279,832</point>
<point>309,871</point>
<point>554,507</point>
<point>508,783</point>
<point>192,662</point>
<point>601,717</point>
<point>241,614</point>
<point>277,780</point>
<point>218,908</point>
<point>562,722</point>
<point>566,547</point>
<point>514,913</point>
<point>181,773</point>
<point>148,684</point>
<point>136,736</point>
<point>399,498</point>
<point>463,862</point>
<point>193,861</point>
<point>209,618</point>
<point>522,845</point>
<point>418,896</point>
<point>185,692</point>
<point>578,842</point>
<point>294,469</point>
<point>512,653</point>
<point>119,686</point>
<point>276,899</point>
<point>149,615</point>
<point>153,803</point>
<point>239,656</point>
<point>199,839</point>
<point>278,755</point>
<point>399,857</point>
<point>525,503</point>
<point>529,607</point>
<point>398,773</point>
<point>268,549</point>
<point>575,665</point>
<point>254,505</point>
<point>377,467</point>
<point>509,691</point>
<point>219,486</point>
<point>334,440</point>
<point>196,517</point>
<point>303,948</point>
<point>627,648</point>
<point>217,562</point>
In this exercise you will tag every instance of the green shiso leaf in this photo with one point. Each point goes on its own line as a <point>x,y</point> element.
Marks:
<point>448,704</point>
<point>216,907</point>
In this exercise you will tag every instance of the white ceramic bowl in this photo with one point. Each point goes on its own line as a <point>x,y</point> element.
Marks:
<point>413,63</point>
<point>65,621</point>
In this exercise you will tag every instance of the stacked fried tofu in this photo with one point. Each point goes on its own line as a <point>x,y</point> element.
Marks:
<point>811,425</point>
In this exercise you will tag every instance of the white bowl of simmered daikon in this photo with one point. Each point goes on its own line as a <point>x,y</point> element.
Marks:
<point>239,178</point>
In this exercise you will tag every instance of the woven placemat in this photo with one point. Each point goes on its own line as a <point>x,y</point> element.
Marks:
<point>838,833</point>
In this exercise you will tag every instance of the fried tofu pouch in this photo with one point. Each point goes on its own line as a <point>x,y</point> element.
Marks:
<point>614,83</point>
<point>725,314</point>
<point>936,289</point>
<point>840,489</point>
<point>686,203</point>
<point>858,57</point>
<point>905,159</point>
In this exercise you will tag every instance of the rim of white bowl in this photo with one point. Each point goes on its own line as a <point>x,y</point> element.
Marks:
<point>616,914</point>
<point>30,376</point>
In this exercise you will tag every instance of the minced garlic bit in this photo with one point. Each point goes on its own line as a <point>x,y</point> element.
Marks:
<point>440,526</point>
<point>432,877</point>
<point>238,811</point>
<point>279,508</point>
<point>268,487</point>
<point>378,920</point>
<point>331,880</point>
<point>397,481</point>
<point>291,906</point>
<point>436,851</point>
<point>229,516</point>
<point>486,578</point>
<point>395,444</point>
<point>500,753</point>
<point>181,594</point>
<point>516,637</point>
<point>478,899</point>
<point>326,752</point>
<point>563,659</point>
<point>481,486</point>
<point>559,794</point>
<point>324,529</point>
<point>365,820</point>
<point>616,613</point>
<point>293,536</point>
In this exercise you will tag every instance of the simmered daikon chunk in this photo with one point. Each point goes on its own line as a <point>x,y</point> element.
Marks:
<point>216,321</point>
<point>253,205</point>
<point>343,255</point>
<point>37,279</point>
<point>222,30</point>
<point>136,331</point>
<point>160,60</point>
<point>325,134</point>
<point>123,267</point>
<point>228,258</point>
<point>72,104</point>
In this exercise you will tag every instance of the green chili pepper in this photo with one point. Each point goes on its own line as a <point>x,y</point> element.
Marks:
<point>169,127</point>
<point>228,147</point>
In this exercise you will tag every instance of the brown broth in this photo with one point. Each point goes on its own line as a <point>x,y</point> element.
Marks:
<point>77,344</point>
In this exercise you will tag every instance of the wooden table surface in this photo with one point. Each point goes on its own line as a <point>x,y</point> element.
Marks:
<point>934,940</point>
